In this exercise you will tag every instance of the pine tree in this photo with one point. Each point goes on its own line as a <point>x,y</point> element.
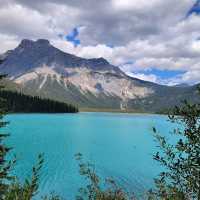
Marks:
<point>18,102</point>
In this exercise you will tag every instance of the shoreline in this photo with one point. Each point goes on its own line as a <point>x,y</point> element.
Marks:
<point>88,111</point>
<point>113,111</point>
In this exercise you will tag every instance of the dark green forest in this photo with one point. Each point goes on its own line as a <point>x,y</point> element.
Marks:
<point>16,102</point>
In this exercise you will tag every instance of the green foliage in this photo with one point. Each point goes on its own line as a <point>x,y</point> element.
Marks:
<point>181,161</point>
<point>51,197</point>
<point>5,165</point>
<point>18,102</point>
<point>10,187</point>
<point>94,191</point>
<point>18,191</point>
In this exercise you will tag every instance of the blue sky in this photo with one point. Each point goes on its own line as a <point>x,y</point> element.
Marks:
<point>163,74</point>
<point>195,8</point>
<point>160,36</point>
<point>73,37</point>
<point>160,74</point>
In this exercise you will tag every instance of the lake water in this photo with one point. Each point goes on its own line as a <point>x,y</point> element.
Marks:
<point>120,145</point>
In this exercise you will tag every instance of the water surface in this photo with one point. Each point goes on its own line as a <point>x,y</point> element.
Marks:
<point>120,146</point>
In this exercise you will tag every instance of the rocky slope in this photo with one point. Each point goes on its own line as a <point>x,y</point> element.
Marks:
<point>41,69</point>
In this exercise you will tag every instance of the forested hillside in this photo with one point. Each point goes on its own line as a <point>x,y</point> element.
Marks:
<point>20,103</point>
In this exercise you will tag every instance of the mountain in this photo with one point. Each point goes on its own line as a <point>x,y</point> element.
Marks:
<point>39,68</point>
<point>182,85</point>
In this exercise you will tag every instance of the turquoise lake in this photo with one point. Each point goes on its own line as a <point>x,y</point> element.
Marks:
<point>119,145</point>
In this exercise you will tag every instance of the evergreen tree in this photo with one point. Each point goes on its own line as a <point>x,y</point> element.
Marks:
<point>10,187</point>
<point>5,165</point>
<point>18,102</point>
<point>181,178</point>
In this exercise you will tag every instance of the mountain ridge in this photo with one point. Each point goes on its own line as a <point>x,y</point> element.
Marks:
<point>48,54</point>
<point>41,69</point>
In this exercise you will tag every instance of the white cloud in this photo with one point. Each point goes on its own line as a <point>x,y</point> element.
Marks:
<point>21,22</point>
<point>196,46</point>
<point>7,42</point>
<point>149,77</point>
<point>149,34</point>
<point>191,77</point>
<point>134,4</point>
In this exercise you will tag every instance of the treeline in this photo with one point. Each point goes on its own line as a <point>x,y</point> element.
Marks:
<point>16,102</point>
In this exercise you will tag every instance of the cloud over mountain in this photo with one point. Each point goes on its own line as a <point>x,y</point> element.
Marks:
<point>162,35</point>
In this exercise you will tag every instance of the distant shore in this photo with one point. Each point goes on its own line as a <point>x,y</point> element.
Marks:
<point>113,110</point>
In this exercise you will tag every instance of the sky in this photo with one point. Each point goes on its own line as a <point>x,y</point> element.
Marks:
<point>157,40</point>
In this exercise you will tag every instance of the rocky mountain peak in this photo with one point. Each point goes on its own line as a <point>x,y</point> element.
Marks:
<point>30,55</point>
<point>42,42</point>
<point>26,43</point>
<point>99,61</point>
